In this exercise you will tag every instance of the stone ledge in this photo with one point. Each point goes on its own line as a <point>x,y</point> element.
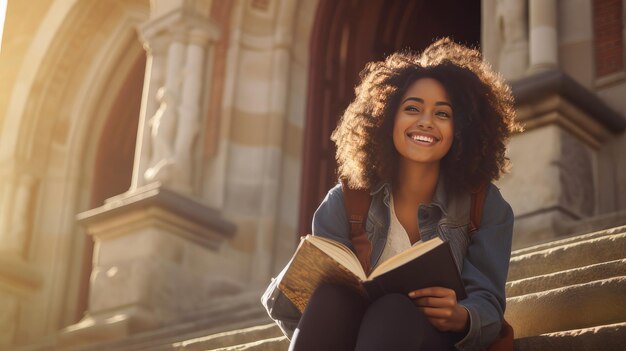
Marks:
<point>574,276</point>
<point>573,307</point>
<point>165,205</point>
<point>569,240</point>
<point>530,89</point>
<point>220,315</point>
<point>567,256</point>
<point>274,344</point>
<point>610,337</point>
<point>231,338</point>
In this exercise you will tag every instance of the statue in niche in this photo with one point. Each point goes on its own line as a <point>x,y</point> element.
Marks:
<point>512,23</point>
<point>162,135</point>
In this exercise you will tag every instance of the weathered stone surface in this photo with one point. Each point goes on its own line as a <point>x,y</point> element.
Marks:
<point>231,338</point>
<point>573,307</point>
<point>567,256</point>
<point>216,316</point>
<point>606,338</point>
<point>579,275</point>
<point>274,344</point>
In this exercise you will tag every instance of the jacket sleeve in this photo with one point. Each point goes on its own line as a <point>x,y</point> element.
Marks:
<point>329,221</point>
<point>485,270</point>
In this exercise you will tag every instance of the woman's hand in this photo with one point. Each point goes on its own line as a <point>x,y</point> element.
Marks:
<point>440,307</point>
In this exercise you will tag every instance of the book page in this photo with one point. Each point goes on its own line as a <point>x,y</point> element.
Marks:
<point>340,253</point>
<point>309,268</point>
<point>405,257</point>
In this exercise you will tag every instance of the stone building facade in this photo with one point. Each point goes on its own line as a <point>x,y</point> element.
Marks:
<point>159,158</point>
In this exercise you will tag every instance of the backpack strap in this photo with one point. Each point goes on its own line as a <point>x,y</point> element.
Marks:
<point>357,204</point>
<point>504,341</point>
<point>476,208</point>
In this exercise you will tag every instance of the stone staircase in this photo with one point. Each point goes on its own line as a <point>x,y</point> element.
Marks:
<point>570,294</point>
<point>564,295</point>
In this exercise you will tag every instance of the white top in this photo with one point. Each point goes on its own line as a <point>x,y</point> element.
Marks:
<point>397,237</point>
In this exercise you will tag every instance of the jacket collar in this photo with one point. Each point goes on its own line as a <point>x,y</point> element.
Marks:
<point>439,198</point>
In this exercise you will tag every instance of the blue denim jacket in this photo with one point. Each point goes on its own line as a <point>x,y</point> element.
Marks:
<point>483,262</point>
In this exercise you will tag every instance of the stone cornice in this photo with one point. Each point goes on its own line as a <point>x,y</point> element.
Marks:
<point>153,197</point>
<point>536,87</point>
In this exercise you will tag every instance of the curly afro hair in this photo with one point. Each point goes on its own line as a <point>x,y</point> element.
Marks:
<point>483,117</point>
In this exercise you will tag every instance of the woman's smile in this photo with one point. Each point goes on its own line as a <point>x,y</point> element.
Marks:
<point>422,139</point>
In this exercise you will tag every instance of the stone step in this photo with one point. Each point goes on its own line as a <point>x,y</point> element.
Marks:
<point>230,338</point>
<point>563,295</point>
<point>561,279</point>
<point>610,337</point>
<point>220,315</point>
<point>273,344</point>
<point>573,253</point>
<point>569,240</point>
<point>577,306</point>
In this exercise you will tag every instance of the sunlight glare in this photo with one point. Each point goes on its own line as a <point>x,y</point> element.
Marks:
<point>3,11</point>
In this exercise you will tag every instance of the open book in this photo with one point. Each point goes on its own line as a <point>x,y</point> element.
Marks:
<point>318,260</point>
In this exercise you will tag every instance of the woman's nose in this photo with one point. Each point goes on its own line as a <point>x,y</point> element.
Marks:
<point>425,121</point>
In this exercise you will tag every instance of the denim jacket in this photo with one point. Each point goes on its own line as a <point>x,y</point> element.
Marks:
<point>483,262</point>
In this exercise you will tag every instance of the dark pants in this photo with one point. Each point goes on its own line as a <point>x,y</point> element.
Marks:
<point>337,318</point>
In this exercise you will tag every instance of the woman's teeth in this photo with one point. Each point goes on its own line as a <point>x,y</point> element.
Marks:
<point>423,138</point>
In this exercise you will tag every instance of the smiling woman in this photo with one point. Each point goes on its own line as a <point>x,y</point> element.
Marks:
<point>424,135</point>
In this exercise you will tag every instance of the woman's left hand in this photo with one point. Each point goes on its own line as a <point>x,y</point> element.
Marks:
<point>439,305</point>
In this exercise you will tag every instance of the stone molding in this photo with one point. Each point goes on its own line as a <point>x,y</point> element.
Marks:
<point>162,201</point>
<point>535,88</point>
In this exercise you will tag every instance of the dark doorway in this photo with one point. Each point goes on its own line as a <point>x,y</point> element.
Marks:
<point>346,35</point>
<point>114,161</point>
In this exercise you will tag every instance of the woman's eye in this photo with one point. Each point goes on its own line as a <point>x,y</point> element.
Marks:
<point>412,109</point>
<point>443,114</point>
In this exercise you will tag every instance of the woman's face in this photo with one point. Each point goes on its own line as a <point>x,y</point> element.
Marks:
<point>423,129</point>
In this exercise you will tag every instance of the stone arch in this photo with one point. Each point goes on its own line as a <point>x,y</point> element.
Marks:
<point>82,54</point>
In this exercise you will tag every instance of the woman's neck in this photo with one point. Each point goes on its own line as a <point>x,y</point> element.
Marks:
<point>415,182</point>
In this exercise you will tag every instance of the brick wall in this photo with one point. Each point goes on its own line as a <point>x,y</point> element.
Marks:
<point>608,36</point>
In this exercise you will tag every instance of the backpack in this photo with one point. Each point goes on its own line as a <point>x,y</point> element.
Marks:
<point>357,203</point>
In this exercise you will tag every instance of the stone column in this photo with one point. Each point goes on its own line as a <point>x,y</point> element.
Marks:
<point>543,34</point>
<point>552,184</point>
<point>189,108</point>
<point>513,35</point>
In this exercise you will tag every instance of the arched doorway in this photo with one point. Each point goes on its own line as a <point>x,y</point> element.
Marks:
<point>346,35</point>
<point>115,155</point>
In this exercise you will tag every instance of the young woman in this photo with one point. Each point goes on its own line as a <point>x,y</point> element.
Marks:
<point>422,134</point>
